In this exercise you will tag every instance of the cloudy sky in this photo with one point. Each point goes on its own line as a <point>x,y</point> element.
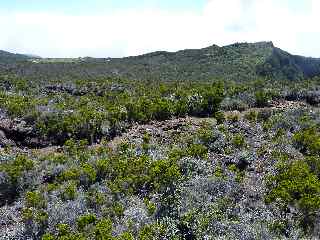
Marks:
<point>116,28</point>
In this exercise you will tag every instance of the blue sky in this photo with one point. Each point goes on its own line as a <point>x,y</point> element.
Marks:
<point>117,28</point>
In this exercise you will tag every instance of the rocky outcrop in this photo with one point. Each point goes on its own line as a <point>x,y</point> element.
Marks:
<point>16,132</point>
<point>313,97</point>
<point>4,141</point>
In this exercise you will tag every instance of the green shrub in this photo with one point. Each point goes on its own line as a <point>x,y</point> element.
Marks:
<point>295,184</point>
<point>151,232</point>
<point>118,209</point>
<point>308,141</point>
<point>205,134</point>
<point>314,164</point>
<point>151,207</point>
<point>233,117</point>
<point>35,200</point>
<point>146,142</point>
<point>103,167</point>
<point>89,172</point>
<point>279,227</point>
<point>220,117</point>
<point>15,168</point>
<point>63,229</point>
<point>85,220</point>
<point>103,229</point>
<point>262,98</point>
<point>197,150</point>
<point>69,191</point>
<point>239,140</point>
<point>95,199</point>
<point>48,236</point>
<point>125,236</point>
<point>251,116</point>
<point>218,172</point>
<point>18,106</point>
<point>64,233</point>
<point>163,174</point>
<point>71,174</point>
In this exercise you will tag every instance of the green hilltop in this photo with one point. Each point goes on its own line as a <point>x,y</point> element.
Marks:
<point>238,62</point>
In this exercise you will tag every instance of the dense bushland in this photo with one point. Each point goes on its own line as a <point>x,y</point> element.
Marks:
<point>112,158</point>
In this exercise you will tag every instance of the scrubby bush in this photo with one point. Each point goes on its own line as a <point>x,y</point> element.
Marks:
<point>234,104</point>
<point>262,98</point>
<point>187,179</point>
<point>308,140</point>
<point>12,172</point>
<point>239,140</point>
<point>296,184</point>
<point>233,116</point>
<point>251,115</point>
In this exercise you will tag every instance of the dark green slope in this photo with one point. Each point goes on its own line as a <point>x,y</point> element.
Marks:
<point>286,66</point>
<point>238,62</point>
<point>7,57</point>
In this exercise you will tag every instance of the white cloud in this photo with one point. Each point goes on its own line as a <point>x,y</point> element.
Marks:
<point>136,31</point>
<point>275,20</point>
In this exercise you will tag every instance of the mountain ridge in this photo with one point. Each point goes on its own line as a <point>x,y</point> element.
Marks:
<point>12,57</point>
<point>237,62</point>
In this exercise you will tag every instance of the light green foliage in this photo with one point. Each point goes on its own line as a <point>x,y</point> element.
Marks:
<point>251,116</point>
<point>89,172</point>
<point>262,98</point>
<point>278,227</point>
<point>163,174</point>
<point>15,168</point>
<point>125,236</point>
<point>295,183</point>
<point>151,232</point>
<point>151,207</point>
<point>205,133</point>
<point>70,174</point>
<point>85,220</point>
<point>233,117</point>
<point>69,191</point>
<point>35,200</point>
<point>219,116</point>
<point>48,236</point>
<point>218,172</point>
<point>103,167</point>
<point>239,140</point>
<point>95,199</point>
<point>19,105</point>
<point>146,142</point>
<point>308,140</point>
<point>103,229</point>
<point>118,209</point>
<point>197,150</point>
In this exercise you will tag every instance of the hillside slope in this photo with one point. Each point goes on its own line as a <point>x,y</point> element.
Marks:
<point>238,62</point>
<point>7,57</point>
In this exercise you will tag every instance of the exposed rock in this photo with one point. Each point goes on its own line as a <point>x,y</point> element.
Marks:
<point>17,132</point>
<point>313,97</point>
<point>7,190</point>
<point>4,141</point>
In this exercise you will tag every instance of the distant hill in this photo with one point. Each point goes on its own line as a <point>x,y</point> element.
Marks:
<point>238,62</point>
<point>33,56</point>
<point>7,57</point>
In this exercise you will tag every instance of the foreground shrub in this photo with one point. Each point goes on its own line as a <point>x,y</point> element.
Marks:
<point>308,141</point>
<point>296,185</point>
<point>262,98</point>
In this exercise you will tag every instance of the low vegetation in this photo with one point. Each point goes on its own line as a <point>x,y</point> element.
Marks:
<point>97,157</point>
